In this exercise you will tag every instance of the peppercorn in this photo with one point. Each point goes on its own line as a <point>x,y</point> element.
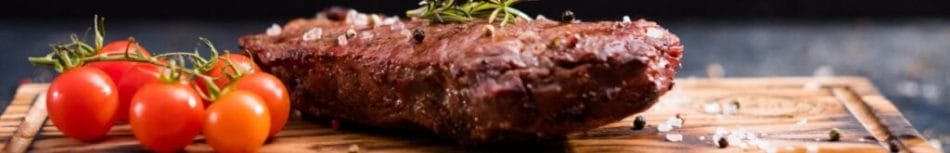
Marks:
<point>639,123</point>
<point>350,34</point>
<point>894,147</point>
<point>834,135</point>
<point>735,102</point>
<point>418,35</point>
<point>723,143</point>
<point>568,16</point>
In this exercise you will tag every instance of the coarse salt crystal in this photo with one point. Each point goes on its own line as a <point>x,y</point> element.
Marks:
<point>626,21</point>
<point>675,122</point>
<point>654,33</point>
<point>664,127</point>
<point>341,40</point>
<point>673,137</point>
<point>375,20</point>
<point>367,35</point>
<point>811,148</point>
<point>771,150</point>
<point>711,108</point>
<point>313,34</point>
<point>540,17</point>
<point>702,138</point>
<point>802,122</point>
<point>935,143</point>
<point>274,30</point>
<point>390,20</point>
<point>812,86</point>
<point>729,109</point>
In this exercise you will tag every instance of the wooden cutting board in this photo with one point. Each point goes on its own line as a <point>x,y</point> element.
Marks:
<point>784,114</point>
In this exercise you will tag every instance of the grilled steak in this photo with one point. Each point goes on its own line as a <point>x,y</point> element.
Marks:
<point>472,82</point>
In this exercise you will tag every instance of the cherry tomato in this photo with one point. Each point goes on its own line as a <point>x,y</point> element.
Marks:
<point>221,68</point>
<point>82,102</point>
<point>121,46</point>
<point>273,93</point>
<point>238,121</point>
<point>133,80</point>
<point>166,116</point>
<point>117,69</point>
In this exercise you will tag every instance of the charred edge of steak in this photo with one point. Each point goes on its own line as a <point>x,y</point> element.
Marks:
<point>529,80</point>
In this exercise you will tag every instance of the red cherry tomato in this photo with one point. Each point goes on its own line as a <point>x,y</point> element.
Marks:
<point>121,46</point>
<point>134,80</point>
<point>221,69</point>
<point>166,116</point>
<point>82,102</point>
<point>117,69</point>
<point>238,121</point>
<point>273,93</point>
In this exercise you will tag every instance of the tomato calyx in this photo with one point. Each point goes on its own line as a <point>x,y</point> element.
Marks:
<point>77,53</point>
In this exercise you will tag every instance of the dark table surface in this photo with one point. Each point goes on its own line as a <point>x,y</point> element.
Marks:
<point>907,59</point>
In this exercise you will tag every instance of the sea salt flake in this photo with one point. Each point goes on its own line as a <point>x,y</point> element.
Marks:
<point>390,20</point>
<point>811,148</point>
<point>664,127</point>
<point>655,33</point>
<point>675,122</point>
<point>711,108</point>
<point>729,109</point>
<point>313,34</point>
<point>626,22</point>
<point>375,20</point>
<point>274,30</point>
<point>540,17</point>
<point>673,137</point>
<point>812,86</point>
<point>341,40</point>
<point>802,122</point>
<point>702,138</point>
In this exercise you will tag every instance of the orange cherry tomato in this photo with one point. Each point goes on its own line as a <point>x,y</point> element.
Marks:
<point>272,91</point>
<point>82,103</point>
<point>166,116</point>
<point>238,121</point>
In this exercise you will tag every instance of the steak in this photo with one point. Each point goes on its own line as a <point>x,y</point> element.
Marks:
<point>472,82</point>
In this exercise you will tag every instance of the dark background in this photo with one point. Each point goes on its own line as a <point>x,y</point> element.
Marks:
<point>659,9</point>
<point>903,46</point>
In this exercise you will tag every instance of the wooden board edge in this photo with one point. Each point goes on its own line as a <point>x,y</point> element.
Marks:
<point>26,94</point>
<point>860,85</point>
<point>883,120</point>
<point>32,123</point>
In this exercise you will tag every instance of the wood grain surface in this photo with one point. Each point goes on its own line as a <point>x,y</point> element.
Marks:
<point>783,114</point>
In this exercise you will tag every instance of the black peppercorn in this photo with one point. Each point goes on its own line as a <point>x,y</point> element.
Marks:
<point>418,35</point>
<point>894,147</point>
<point>723,143</point>
<point>834,135</point>
<point>568,16</point>
<point>639,123</point>
<point>736,103</point>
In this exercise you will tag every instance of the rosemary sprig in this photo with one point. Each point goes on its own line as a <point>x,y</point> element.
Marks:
<point>449,11</point>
